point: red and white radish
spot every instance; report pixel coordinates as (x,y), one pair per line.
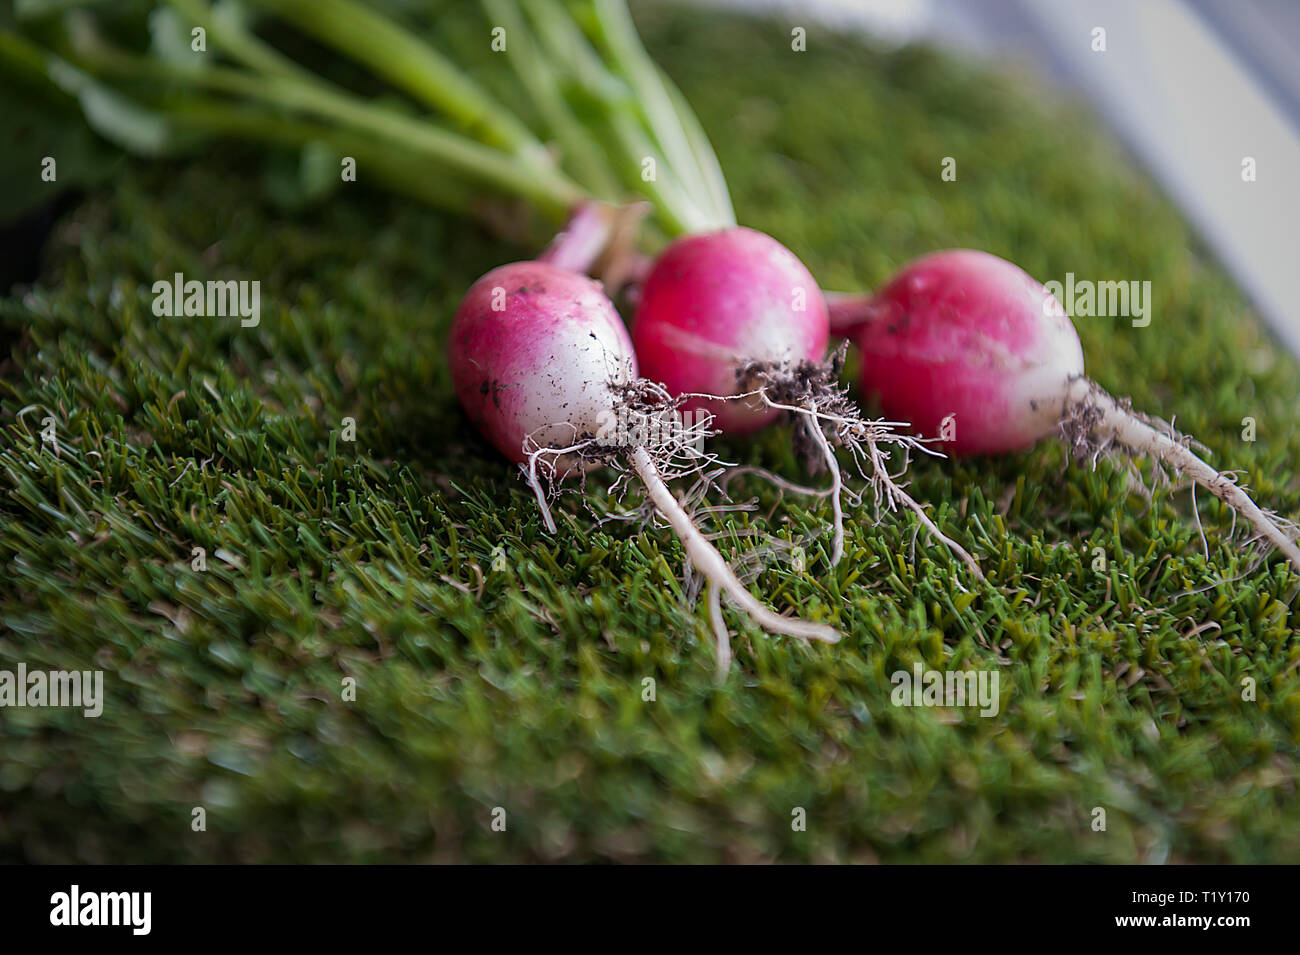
(732,314)
(537,356)
(543,366)
(979,355)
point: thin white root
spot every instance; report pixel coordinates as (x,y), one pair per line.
(530,475)
(863,438)
(814,428)
(881,474)
(720,632)
(711,564)
(772,478)
(1107,420)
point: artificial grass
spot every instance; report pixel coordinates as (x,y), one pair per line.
(497,666)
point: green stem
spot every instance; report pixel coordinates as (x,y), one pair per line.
(677,209)
(706,159)
(567,45)
(617,33)
(117,118)
(402,170)
(546,187)
(394,53)
(230,36)
(282,101)
(586,158)
(23,61)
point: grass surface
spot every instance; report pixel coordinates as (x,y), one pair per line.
(522,687)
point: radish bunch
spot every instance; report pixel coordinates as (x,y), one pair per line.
(979,355)
(961,345)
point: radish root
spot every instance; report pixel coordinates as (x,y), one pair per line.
(706,559)
(1094,419)
(656,444)
(814,429)
(812,391)
(720,633)
(899,496)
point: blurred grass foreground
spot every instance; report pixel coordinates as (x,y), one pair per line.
(385,647)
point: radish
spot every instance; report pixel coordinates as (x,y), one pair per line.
(732,319)
(537,356)
(714,303)
(976,353)
(542,365)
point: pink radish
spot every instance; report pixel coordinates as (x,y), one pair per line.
(543,366)
(976,353)
(716,302)
(734,315)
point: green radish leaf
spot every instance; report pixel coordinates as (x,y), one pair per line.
(114,116)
